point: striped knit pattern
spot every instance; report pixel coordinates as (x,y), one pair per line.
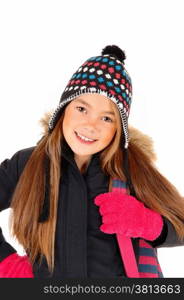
(148,264)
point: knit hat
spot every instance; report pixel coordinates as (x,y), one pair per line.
(105,75)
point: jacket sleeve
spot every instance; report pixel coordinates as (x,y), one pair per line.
(8,181)
(168,236)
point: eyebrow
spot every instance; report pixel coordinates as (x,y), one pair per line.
(87,104)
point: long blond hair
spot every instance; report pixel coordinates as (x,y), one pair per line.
(38,239)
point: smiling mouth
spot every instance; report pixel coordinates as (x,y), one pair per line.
(83,140)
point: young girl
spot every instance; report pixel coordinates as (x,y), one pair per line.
(88,193)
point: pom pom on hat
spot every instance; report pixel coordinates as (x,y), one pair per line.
(114,51)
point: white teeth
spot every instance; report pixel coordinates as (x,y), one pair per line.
(84,138)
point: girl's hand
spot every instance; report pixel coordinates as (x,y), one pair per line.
(16,266)
(123,213)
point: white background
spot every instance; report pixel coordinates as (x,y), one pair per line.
(44,42)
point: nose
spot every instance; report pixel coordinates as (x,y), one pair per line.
(88,130)
(91,126)
(91,123)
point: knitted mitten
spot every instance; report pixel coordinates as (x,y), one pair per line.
(123,213)
(16,266)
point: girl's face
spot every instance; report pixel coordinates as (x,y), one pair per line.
(91,116)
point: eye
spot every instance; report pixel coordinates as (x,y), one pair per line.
(78,108)
(109,119)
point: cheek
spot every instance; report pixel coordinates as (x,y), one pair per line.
(68,121)
(109,134)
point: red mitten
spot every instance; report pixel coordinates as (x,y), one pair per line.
(16,266)
(123,213)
